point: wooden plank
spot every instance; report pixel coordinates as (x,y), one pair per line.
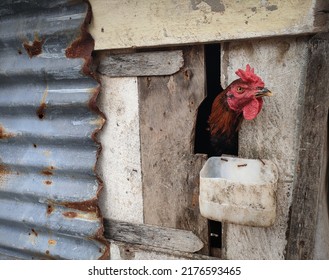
(272,135)
(119,164)
(311,167)
(321,243)
(127,251)
(168,107)
(140,64)
(167,238)
(128,24)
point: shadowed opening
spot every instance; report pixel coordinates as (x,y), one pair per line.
(327,171)
(202,136)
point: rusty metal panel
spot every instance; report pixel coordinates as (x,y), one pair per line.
(48,125)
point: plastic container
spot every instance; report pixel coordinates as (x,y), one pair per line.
(240,191)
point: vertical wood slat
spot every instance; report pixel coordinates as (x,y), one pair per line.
(281,63)
(321,243)
(119,161)
(168,107)
(311,164)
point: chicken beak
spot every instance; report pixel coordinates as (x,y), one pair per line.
(263,92)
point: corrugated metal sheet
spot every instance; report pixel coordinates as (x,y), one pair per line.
(48,122)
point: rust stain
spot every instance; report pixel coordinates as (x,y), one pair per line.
(41,111)
(48,171)
(83,46)
(106,251)
(42,108)
(48,182)
(4,170)
(87,206)
(195,199)
(35,48)
(50,209)
(99,122)
(34,232)
(52,242)
(70,214)
(4,134)
(100,237)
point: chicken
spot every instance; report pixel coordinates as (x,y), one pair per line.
(242,99)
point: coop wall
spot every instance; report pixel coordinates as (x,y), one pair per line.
(272,135)
(148,165)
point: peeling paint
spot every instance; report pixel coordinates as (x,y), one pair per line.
(215,5)
(271,8)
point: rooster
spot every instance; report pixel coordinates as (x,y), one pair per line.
(242,99)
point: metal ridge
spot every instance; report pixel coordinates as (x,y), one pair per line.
(48,125)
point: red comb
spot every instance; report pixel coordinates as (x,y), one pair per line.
(249,76)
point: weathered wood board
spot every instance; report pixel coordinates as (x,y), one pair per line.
(168,107)
(119,164)
(161,237)
(140,64)
(129,24)
(311,169)
(321,245)
(272,135)
(127,251)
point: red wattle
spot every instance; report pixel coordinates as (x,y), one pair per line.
(251,110)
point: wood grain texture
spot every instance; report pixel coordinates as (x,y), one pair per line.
(168,107)
(128,251)
(129,24)
(161,237)
(311,165)
(140,64)
(321,245)
(272,135)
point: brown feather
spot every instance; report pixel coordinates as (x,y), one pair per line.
(223,120)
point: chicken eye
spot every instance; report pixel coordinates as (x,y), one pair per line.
(240,89)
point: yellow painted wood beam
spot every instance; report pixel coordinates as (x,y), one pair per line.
(121,24)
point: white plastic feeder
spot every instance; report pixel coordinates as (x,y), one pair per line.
(240,191)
